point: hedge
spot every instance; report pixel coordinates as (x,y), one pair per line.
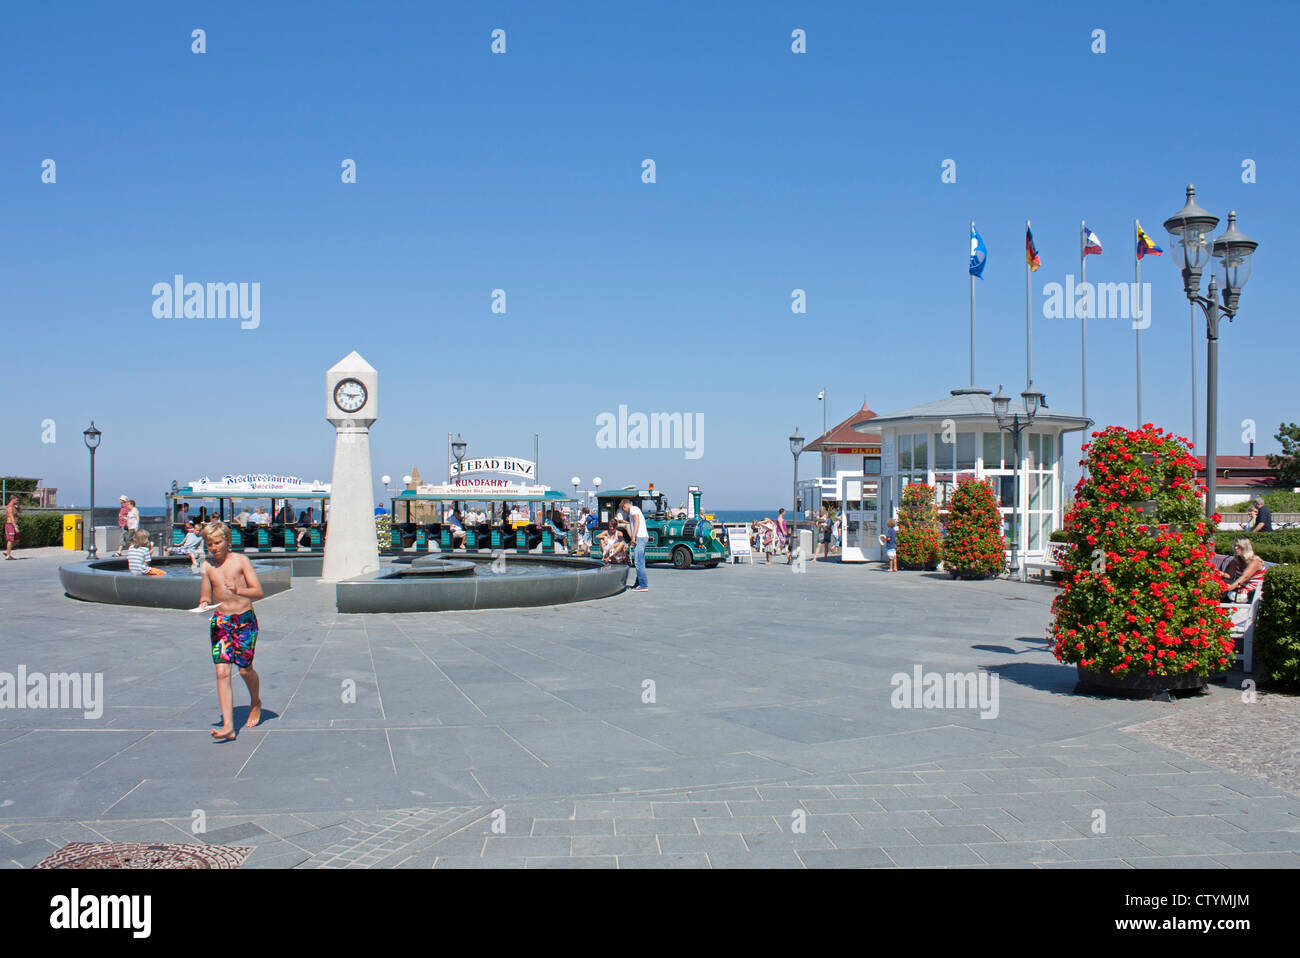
(1277,628)
(39,529)
(1281,547)
(1280,500)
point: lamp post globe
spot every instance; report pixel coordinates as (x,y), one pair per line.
(1033,399)
(1235,253)
(1001,402)
(1189,246)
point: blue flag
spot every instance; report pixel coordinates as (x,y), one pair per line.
(978,254)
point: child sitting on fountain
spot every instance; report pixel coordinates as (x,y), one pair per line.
(228,577)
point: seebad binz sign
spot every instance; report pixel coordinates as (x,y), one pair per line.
(495,465)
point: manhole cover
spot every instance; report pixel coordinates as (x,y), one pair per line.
(144,855)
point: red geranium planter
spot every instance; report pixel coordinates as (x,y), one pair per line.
(1140,603)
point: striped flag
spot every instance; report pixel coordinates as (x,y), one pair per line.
(1091,244)
(1144,245)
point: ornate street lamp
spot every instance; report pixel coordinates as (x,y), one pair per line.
(796,447)
(458,451)
(92,437)
(1033,399)
(1189,238)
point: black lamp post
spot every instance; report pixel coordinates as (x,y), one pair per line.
(796,447)
(1189,236)
(1001,406)
(92,437)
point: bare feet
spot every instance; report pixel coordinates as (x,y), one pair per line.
(223,734)
(254,716)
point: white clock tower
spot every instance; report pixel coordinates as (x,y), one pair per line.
(352,405)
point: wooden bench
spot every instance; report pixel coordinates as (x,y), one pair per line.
(1051,561)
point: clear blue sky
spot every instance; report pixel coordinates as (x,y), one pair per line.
(522,171)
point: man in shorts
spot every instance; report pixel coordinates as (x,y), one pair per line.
(229,579)
(12,511)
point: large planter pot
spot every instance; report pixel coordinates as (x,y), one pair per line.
(1141,682)
(968,574)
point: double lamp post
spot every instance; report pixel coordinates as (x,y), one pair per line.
(1189,240)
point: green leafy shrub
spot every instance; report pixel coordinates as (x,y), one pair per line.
(1281,547)
(1277,628)
(37,530)
(918,528)
(973,544)
(1140,595)
(1279,500)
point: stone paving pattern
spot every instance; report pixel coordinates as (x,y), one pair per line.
(772,707)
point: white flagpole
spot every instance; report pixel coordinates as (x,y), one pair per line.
(1137,295)
(1083,270)
(1029,325)
(972,311)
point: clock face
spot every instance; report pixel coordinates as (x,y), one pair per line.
(349,395)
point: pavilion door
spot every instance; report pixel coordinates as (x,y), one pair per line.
(859,521)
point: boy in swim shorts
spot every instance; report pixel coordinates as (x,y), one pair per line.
(229,579)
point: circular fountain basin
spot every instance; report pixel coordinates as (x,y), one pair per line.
(110,580)
(479,581)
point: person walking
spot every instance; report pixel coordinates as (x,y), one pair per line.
(132,522)
(824,524)
(640,536)
(12,512)
(122,514)
(891,544)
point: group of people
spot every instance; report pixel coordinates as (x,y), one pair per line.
(768,537)
(508,517)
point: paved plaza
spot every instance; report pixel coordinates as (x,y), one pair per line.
(735,717)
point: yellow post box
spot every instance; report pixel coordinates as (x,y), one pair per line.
(72,531)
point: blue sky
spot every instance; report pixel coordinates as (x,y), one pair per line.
(522,172)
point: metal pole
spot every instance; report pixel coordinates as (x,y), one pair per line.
(1087,299)
(1211,397)
(93,550)
(1015,545)
(972,327)
(1137,294)
(1029,325)
(1191,315)
(794,490)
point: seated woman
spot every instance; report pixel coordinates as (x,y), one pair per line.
(1248,569)
(613,544)
(138,555)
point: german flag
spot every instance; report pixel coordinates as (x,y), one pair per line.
(1031,252)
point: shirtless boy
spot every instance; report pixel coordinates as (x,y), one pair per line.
(12,511)
(229,579)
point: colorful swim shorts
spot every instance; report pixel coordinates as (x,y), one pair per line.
(11,532)
(239,633)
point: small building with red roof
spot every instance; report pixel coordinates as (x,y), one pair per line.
(844,454)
